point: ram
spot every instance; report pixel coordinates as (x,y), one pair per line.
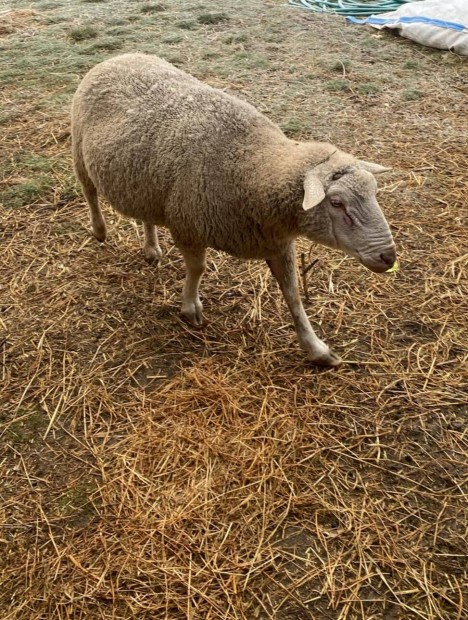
(167,149)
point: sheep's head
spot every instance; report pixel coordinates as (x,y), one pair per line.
(341,211)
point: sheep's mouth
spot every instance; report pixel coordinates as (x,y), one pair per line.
(376,267)
(379,263)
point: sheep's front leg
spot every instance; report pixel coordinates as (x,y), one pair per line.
(283,267)
(151,247)
(195,261)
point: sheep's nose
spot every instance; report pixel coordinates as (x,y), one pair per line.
(388,257)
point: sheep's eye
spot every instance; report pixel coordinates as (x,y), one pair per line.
(338,204)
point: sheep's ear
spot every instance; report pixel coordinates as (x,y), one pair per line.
(313,192)
(374,168)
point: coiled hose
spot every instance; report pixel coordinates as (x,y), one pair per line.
(349,7)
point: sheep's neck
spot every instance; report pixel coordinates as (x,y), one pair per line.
(282,167)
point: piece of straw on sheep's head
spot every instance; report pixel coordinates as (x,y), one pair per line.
(341,199)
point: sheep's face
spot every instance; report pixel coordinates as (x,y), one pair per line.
(350,218)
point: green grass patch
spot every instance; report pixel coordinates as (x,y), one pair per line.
(340,65)
(118,31)
(49,6)
(293,127)
(372,43)
(209,19)
(109,44)
(27,428)
(172,39)
(118,21)
(411,94)
(274,38)
(411,64)
(35,181)
(57,19)
(37,163)
(83,33)
(26,193)
(29,163)
(239,37)
(337,85)
(368,89)
(252,60)
(186,24)
(7,116)
(208,55)
(152,8)
(175,60)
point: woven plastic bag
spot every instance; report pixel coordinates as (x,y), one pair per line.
(436,23)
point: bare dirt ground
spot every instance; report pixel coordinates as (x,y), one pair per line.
(150,470)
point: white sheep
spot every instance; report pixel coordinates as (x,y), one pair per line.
(164,148)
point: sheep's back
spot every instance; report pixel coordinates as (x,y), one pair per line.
(162,146)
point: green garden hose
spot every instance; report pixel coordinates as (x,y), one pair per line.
(349,7)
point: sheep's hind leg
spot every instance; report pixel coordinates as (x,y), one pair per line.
(195,261)
(151,247)
(98,225)
(283,267)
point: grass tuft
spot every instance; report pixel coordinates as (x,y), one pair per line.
(186,24)
(251,60)
(110,44)
(293,127)
(337,85)
(210,19)
(411,64)
(26,192)
(210,54)
(368,89)
(412,94)
(238,37)
(83,33)
(152,8)
(341,65)
(172,39)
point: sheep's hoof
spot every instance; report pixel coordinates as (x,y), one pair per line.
(192,312)
(152,255)
(99,233)
(328,360)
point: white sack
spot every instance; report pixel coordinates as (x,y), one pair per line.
(436,23)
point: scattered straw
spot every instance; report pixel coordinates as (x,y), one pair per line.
(15,19)
(153,470)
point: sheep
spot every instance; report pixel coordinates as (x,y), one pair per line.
(169,150)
